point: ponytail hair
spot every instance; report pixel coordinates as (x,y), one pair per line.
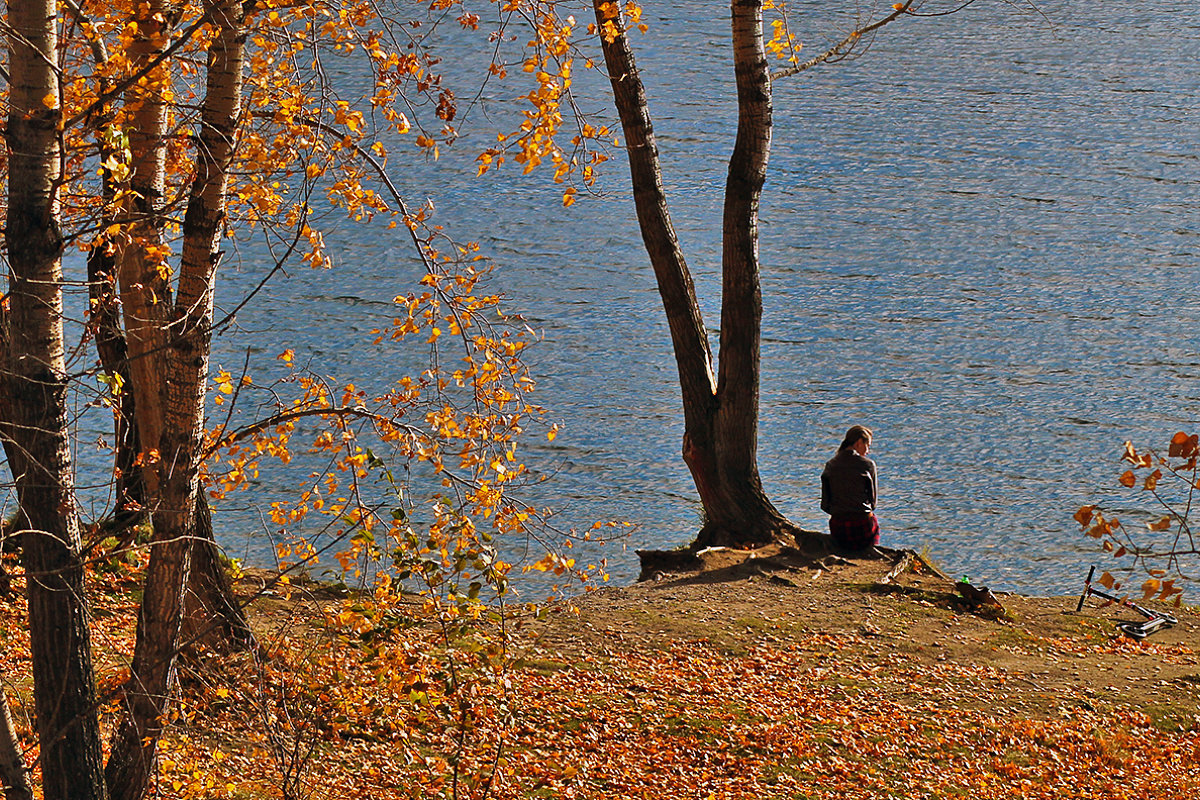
(854,435)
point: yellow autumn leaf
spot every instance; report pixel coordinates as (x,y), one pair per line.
(1151,482)
(1162,525)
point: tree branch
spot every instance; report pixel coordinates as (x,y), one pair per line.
(845,46)
(289,416)
(118,88)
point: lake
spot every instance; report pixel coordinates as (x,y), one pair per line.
(980,239)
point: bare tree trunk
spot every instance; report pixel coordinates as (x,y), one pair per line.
(675,285)
(64,694)
(141,264)
(13,775)
(720,416)
(105,323)
(212,615)
(146,299)
(175,388)
(753,517)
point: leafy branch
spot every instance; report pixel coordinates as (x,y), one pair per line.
(1166,544)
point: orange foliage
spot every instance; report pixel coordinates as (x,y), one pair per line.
(1171,482)
(441,446)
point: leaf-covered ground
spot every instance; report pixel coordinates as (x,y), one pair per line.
(807,683)
(755,680)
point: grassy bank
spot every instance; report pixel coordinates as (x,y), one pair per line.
(757,678)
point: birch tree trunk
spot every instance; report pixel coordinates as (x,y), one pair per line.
(143,271)
(143,275)
(213,616)
(36,402)
(174,409)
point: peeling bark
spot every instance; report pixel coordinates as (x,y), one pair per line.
(169,377)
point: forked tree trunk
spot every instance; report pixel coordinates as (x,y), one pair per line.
(736,424)
(36,405)
(720,415)
(213,616)
(170,391)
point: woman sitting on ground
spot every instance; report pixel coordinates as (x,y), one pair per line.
(848,493)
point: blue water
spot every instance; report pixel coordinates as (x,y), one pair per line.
(980,239)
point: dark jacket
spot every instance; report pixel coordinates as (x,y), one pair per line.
(848,485)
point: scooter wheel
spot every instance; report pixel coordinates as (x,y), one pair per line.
(1132,630)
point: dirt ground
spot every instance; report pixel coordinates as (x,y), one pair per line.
(1041,657)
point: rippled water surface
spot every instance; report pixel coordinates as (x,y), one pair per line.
(980,239)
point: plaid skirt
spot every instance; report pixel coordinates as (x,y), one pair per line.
(854,533)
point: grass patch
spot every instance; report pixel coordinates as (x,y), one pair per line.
(1170,718)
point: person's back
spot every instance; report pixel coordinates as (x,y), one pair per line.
(849,493)
(848,485)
